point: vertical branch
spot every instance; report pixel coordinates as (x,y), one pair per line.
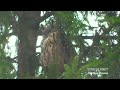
(27,47)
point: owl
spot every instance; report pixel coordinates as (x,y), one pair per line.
(56,50)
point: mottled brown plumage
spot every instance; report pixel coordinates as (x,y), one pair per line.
(56,49)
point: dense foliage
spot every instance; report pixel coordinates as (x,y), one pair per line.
(95,35)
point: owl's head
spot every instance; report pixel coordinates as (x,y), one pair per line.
(46,31)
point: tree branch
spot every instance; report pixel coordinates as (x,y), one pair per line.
(45,16)
(92,37)
(12,59)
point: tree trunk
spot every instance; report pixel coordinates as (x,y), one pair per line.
(27,44)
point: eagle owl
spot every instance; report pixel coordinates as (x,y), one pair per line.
(56,49)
